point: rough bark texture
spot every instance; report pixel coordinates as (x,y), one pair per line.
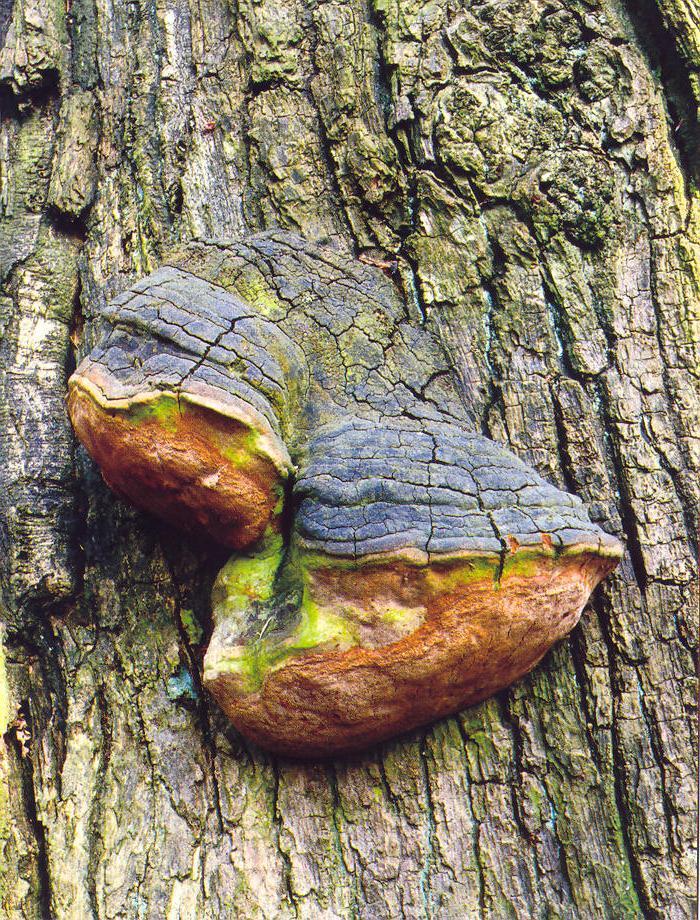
(531,169)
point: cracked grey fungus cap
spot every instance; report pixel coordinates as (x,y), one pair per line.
(435,492)
(390,565)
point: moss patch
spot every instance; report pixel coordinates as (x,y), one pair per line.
(192,626)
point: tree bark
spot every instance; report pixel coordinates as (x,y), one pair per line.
(532,168)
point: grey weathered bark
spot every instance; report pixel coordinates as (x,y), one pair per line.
(531,168)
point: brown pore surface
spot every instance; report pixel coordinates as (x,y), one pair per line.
(183,471)
(476,639)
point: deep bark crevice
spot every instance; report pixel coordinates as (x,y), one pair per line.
(660,47)
(27,771)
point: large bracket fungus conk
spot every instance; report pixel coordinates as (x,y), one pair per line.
(391,566)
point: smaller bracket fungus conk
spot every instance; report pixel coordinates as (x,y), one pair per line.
(390,565)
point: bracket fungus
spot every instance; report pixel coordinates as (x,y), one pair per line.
(390,566)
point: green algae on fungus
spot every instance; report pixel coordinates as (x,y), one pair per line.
(248,578)
(336,610)
(209,471)
(262,602)
(164,409)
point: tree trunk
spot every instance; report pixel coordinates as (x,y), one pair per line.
(531,167)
